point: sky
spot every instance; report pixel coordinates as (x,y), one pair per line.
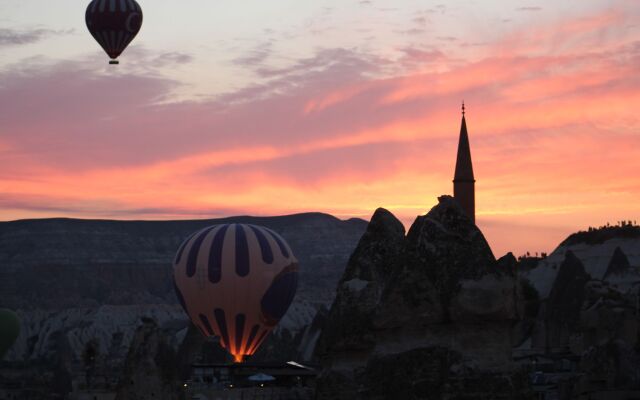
(338,106)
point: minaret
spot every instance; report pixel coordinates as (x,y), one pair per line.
(463,181)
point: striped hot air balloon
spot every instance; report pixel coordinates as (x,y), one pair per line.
(236,281)
(114,24)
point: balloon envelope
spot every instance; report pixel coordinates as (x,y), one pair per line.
(114,24)
(9,330)
(236,281)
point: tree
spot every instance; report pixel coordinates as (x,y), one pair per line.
(61,384)
(90,357)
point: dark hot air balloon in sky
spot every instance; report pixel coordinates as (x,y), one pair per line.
(114,24)
(236,281)
(9,330)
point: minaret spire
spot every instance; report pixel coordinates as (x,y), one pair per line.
(463,180)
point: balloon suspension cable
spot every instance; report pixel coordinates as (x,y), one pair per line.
(114,62)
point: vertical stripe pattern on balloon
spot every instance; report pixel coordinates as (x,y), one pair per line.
(251,280)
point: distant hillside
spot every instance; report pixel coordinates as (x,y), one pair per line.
(77,281)
(61,263)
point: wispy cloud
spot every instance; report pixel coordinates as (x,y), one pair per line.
(13,37)
(529,8)
(256,56)
(171,58)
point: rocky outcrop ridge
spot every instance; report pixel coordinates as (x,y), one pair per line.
(448,274)
(596,250)
(438,291)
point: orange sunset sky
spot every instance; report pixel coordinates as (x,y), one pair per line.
(270,108)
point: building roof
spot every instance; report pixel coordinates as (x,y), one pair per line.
(259,365)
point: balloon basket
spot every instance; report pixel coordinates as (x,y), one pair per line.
(114,62)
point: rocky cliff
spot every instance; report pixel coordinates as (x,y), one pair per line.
(424,315)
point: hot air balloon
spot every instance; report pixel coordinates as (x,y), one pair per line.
(114,24)
(9,330)
(236,281)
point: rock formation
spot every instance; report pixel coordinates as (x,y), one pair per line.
(378,253)
(432,312)
(596,250)
(151,368)
(619,264)
(595,324)
(606,340)
(560,315)
(620,275)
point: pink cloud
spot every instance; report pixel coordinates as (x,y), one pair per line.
(551,137)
